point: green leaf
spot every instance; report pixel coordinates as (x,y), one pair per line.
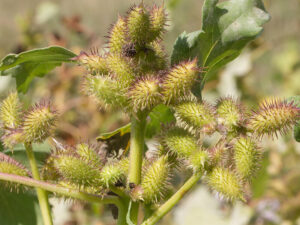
(24,67)
(226,28)
(160,115)
(19,208)
(296,100)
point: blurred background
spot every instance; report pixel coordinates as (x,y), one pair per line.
(270,66)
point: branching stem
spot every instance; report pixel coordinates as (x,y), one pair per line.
(168,205)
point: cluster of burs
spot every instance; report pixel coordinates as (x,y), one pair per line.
(133,75)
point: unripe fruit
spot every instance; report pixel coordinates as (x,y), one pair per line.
(226,183)
(105,91)
(117,36)
(199,160)
(77,171)
(230,113)
(145,93)
(10,111)
(247,157)
(121,69)
(273,117)
(111,173)
(39,123)
(12,138)
(180,142)
(10,166)
(195,116)
(158,19)
(138,23)
(155,182)
(93,62)
(88,153)
(179,81)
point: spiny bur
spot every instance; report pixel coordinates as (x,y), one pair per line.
(138,23)
(12,137)
(76,170)
(118,36)
(180,142)
(10,166)
(10,111)
(93,62)
(230,113)
(246,157)
(226,183)
(155,182)
(179,80)
(195,116)
(145,93)
(121,69)
(88,153)
(158,19)
(39,122)
(273,117)
(105,91)
(111,173)
(199,160)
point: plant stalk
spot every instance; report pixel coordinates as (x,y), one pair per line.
(137,143)
(60,190)
(168,205)
(41,194)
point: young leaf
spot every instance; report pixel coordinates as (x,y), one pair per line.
(226,28)
(34,63)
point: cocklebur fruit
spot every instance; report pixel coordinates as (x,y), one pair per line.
(230,113)
(117,36)
(179,80)
(111,173)
(226,183)
(158,19)
(10,111)
(105,91)
(88,153)
(199,160)
(145,93)
(94,63)
(155,181)
(195,116)
(138,23)
(75,170)
(178,141)
(12,137)
(10,166)
(39,123)
(273,117)
(121,69)
(247,157)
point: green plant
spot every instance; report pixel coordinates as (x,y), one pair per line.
(133,75)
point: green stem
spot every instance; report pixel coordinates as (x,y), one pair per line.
(60,190)
(41,194)
(137,143)
(168,205)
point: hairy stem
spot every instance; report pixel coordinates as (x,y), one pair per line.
(168,205)
(60,190)
(136,157)
(41,194)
